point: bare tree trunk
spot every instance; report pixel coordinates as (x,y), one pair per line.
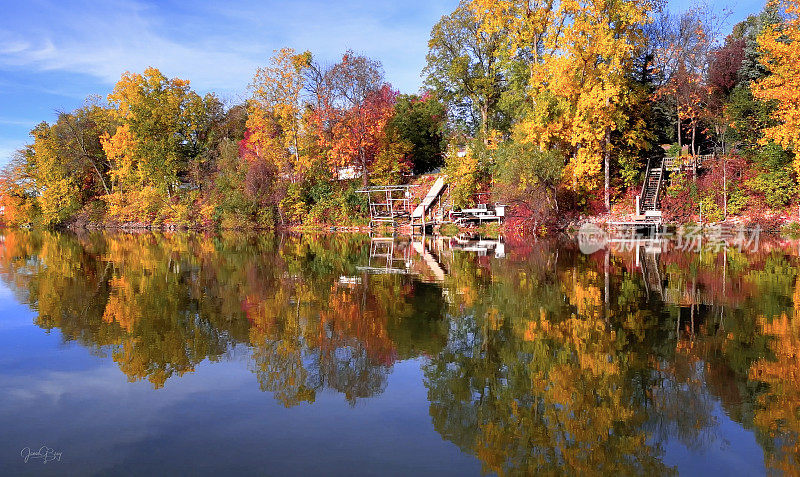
(574,177)
(680,144)
(725,185)
(296,152)
(484,121)
(364,172)
(100,176)
(607,169)
(694,152)
(555,199)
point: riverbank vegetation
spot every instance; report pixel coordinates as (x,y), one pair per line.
(554,109)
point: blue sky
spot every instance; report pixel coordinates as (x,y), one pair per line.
(53,54)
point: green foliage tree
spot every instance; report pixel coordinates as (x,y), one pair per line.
(527,179)
(58,187)
(464,71)
(420,123)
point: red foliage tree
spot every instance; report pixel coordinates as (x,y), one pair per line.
(358,136)
(723,72)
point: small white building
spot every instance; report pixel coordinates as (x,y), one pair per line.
(347,173)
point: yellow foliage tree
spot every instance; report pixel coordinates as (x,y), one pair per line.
(781,55)
(581,52)
(58,188)
(160,121)
(274,122)
(118,149)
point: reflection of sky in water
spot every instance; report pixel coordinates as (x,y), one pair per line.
(215,420)
(12,313)
(732,450)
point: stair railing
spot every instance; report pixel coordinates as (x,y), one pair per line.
(658,187)
(644,184)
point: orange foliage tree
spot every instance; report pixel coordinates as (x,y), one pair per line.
(359,93)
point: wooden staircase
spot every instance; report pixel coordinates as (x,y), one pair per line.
(651,188)
(647,213)
(647,203)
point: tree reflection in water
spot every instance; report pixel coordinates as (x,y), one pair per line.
(546,361)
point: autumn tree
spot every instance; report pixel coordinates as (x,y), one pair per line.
(18,190)
(62,170)
(464,69)
(580,56)
(365,101)
(684,56)
(723,77)
(163,124)
(274,122)
(58,187)
(80,133)
(781,56)
(746,115)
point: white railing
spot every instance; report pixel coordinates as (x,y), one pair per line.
(658,186)
(675,163)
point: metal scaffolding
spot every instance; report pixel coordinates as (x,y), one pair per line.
(388,204)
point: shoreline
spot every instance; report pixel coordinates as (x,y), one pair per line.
(771,222)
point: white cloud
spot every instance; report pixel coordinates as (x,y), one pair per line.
(218,47)
(54,53)
(17,122)
(106,41)
(14,47)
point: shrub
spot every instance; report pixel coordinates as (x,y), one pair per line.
(775,179)
(449,230)
(791,230)
(778,187)
(737,201)
(680,200)
(711,212)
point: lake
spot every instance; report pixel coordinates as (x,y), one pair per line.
(163,354)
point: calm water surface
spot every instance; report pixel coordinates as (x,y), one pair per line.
(135,354)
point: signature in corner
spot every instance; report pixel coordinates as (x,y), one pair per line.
(45,453)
